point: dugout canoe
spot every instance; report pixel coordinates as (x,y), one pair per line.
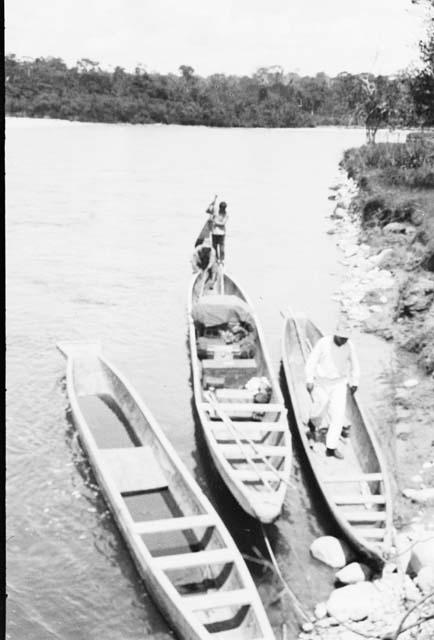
(356,489)
(182,550)
(249,441)
(205,232)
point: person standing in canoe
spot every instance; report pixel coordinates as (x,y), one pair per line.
(331,367)
(204,259)
(218,221)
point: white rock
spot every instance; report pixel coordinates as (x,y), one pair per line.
(381,257)
(391,567)
(422,554)
(412,382)
(338,212)
(425,579)
(330,550)
(320,610)
(420,495)
(307,627)
(353,602)
(403,550)
(427,465)
(319,448)
(352,573)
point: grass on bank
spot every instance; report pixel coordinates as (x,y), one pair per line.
(396,183)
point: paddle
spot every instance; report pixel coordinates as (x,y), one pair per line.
(239,434)
(228,422)
(212,205)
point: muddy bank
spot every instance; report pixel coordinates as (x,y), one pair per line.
(389,291)
(382,294)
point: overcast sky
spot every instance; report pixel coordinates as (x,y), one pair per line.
(229,36)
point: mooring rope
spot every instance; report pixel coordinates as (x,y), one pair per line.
(289,591)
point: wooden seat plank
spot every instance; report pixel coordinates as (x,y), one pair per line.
(133,469)
(185,560)
(368,499)
(216,364)
(242,407)
(217,599)
(370,533)
(251,428)
(174,524)
(364,516)
(232,451)
(247,475)
(362,477)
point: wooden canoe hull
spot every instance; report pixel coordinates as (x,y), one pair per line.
(365,469)
(84,379)
(205,232)
(265,509)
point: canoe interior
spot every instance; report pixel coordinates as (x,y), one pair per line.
(239,376)
(153,489)
(356,487)
(262,422)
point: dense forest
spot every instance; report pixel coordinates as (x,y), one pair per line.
(46,87)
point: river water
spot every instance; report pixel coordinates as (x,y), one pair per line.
(100,225)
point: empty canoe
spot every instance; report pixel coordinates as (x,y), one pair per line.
(356,489)
(185,555)
(248,439)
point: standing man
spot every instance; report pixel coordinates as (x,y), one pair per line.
(331,367)
(218,228)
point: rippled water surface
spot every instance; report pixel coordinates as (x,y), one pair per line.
(100,225)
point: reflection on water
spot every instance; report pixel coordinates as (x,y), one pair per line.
(101,220)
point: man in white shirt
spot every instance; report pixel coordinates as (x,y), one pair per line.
(331,367)
(218,228)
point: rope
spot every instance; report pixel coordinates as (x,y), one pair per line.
(239,434)
(297,604)
(228,422)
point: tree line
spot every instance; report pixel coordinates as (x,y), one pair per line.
(47,87)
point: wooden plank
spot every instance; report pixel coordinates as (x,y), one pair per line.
(362,477)
(364,516)
(234,395)
(251,428)
(246,475)
(175,524)
(185,560)
(232,451)
(215,364)
(133,469)
(232,407)
(368,499)
(370,533)
(243,449)
(218,599)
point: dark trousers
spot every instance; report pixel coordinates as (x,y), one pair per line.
(218,242)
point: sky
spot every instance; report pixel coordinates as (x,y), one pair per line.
(221,36)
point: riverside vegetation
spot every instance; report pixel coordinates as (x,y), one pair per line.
(46,87)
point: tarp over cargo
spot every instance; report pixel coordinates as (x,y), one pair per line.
(213,310)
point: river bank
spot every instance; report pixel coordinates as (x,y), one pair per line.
(390,203)
(386,236)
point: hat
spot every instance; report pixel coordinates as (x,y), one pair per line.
(343,329)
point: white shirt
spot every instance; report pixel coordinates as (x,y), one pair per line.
(330,362)
(218,221)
